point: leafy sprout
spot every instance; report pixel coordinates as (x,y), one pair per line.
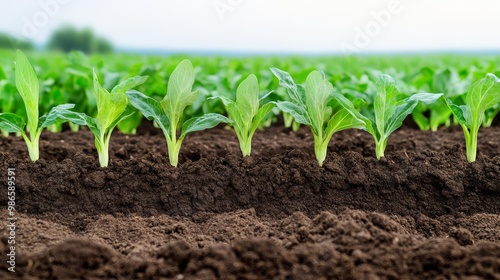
(111,109)
(28,86)
(482,95)
(310,105)
(389,112)
(168,113)
(247,113)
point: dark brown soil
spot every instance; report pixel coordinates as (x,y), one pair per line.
(422,212)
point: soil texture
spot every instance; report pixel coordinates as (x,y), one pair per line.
(421,212)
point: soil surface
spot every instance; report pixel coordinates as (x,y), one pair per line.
(422,212)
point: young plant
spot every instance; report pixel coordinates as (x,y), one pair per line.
(389,112)
(28,87)
(311,106)
(245,113)
(168,113)
(482,95)
(449,83)
(111,109)
(490,115)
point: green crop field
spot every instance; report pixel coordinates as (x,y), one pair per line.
(328,94)
(232,139)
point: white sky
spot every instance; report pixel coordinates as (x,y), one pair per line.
(266,25)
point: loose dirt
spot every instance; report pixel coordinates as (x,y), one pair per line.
(422,212)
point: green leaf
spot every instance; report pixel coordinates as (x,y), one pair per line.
(385,103)
(62,113)
(201,123)
(266,95)
(97,85)
(349,107)
(225,101)
(110,106)
(129,84)
(298,113)
(484,94)
(28,87)
(247,98)
(92,125)
(425,98)
(54,116)
(129,111)
(3,75)
(261,114)
(179,92)
(405,108)
(461,113)
(286,81)
(342,120)
(11,122)
(150,108)
(77,73)
(234,114)
(396,120)
(318,93)
(442,81)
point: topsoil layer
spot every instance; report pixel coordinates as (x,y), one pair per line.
(422,212)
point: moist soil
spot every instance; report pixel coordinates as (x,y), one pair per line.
(422,212)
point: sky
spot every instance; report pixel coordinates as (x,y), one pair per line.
(266,26)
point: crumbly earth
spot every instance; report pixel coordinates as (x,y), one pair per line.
(422,212)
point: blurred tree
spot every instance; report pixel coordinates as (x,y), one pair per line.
(68,38)
(10,42)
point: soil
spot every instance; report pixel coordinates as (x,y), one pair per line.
(422,212)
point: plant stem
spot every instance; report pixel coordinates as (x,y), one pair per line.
(54,128)
(74,127)
(103,158)
(245,140)
(380,147)
(434,125)
(471,143)
(103,153)
(320,149)
(488,122)
(173,155)
(33,146)
(34,151)
(174,147)
(447,123)
(103,149)
(287,119)
(246,147)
